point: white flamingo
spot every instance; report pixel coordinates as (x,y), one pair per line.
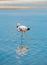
(22,28)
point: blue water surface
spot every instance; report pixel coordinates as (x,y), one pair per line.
(36,19)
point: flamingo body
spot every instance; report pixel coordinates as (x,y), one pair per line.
(22,28)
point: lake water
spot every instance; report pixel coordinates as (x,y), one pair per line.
(36,19)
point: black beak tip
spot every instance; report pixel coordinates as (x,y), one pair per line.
(28,29)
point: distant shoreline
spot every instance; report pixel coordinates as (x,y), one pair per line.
(14,2)
(7,5)
(23,7)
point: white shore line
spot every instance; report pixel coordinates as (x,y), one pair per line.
(23,7)
(15,2)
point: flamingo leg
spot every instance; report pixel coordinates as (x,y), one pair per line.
(26,37)
(21,38)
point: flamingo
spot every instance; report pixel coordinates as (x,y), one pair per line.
(22,28)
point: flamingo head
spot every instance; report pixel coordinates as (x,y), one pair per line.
(18,24)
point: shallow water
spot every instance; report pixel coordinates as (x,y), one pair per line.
(10,38)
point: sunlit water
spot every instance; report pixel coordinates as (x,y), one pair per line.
(10,38)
